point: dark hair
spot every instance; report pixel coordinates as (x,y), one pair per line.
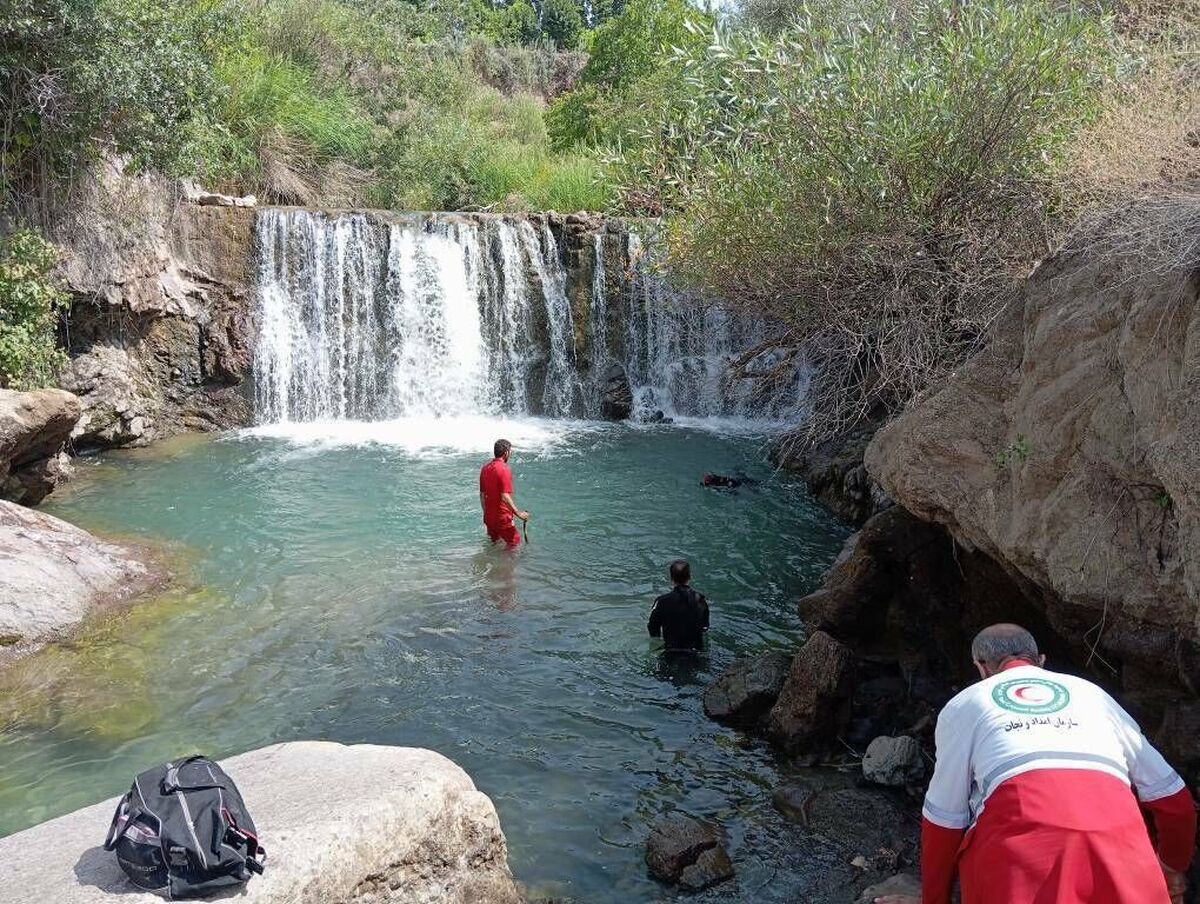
(681,571)
(502,446)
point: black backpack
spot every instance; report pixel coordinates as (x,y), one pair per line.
(183,829)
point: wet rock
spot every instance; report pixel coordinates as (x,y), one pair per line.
(711,868)
(866,821)
(813,705)
(362,823)
(52,574)
(34,426)
(685,851)
(745,691)
(895,762)
(793,801)
(616,399)
(900,884)
(835,473)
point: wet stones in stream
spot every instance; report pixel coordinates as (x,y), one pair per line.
(746,691)
(872,827)
(896,762)
(687,852)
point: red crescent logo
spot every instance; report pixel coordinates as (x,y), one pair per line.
(1021,692)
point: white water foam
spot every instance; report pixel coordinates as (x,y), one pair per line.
(428,436)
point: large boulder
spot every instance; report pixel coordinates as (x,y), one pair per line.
(34,426)
(1068,451)
(814,703)
(52,574)
(363,824)
(745,691)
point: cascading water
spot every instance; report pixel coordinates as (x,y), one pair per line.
(371,317)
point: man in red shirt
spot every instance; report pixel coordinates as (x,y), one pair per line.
(495,497)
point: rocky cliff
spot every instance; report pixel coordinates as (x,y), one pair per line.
(159,327)
(1068,454)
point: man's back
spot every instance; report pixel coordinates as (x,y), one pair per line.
(1027,718)
(681,617)
(495,479)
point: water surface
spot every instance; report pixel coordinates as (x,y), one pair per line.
(333,587)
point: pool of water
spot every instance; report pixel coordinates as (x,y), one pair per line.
(336,584)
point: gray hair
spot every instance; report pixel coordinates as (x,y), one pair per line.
(996,643)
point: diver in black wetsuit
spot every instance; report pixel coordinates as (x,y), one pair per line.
(726,482)
(681,616)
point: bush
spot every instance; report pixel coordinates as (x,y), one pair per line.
(29,307)
(872,179)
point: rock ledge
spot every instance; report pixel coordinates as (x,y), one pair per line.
(364,824)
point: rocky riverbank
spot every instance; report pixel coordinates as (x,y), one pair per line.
(364,824)
(1053,481)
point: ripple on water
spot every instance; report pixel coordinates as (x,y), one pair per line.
(347,593)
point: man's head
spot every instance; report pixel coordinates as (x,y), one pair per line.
(681,572)
(502,449)
(997,645)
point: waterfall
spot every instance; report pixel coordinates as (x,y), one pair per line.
(365,316)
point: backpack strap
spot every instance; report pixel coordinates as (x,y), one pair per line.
(119,821)
(170,782)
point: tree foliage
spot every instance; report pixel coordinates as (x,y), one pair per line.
(29,307)
(871,178)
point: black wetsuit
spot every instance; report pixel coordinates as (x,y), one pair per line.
(681,618)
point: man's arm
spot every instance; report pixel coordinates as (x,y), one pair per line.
(1161,792)
(946,813)
(655,623)
(704,612)
(511,504)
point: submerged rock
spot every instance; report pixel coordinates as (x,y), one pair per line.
(364,824)
(52,574)
(745,691)
(896,762)
(814,702)
(685,851)
(34,426)
(616,399)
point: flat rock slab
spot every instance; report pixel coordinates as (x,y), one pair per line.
(53,573)
(364,823)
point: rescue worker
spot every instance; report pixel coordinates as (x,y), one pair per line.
(1032,798)
(496,499)
(681,616)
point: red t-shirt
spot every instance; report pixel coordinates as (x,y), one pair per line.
(495,478)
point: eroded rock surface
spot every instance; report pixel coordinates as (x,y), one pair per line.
(52,574)
(896,762)
(34,426)
(1068,451)
(363,824)
(159,329)
(814,702)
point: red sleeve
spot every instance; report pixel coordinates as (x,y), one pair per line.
(506,480)
(482,471)
(939,860)
(1175,826)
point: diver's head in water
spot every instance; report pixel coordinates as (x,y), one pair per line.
(681,573)
(502,449)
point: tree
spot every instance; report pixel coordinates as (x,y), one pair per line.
(29,308)
(562,22)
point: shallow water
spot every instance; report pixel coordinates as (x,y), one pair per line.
(342,589)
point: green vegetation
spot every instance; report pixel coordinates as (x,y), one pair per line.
(29,307)
(391,102)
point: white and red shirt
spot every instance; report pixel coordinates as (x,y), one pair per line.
(1042,768)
